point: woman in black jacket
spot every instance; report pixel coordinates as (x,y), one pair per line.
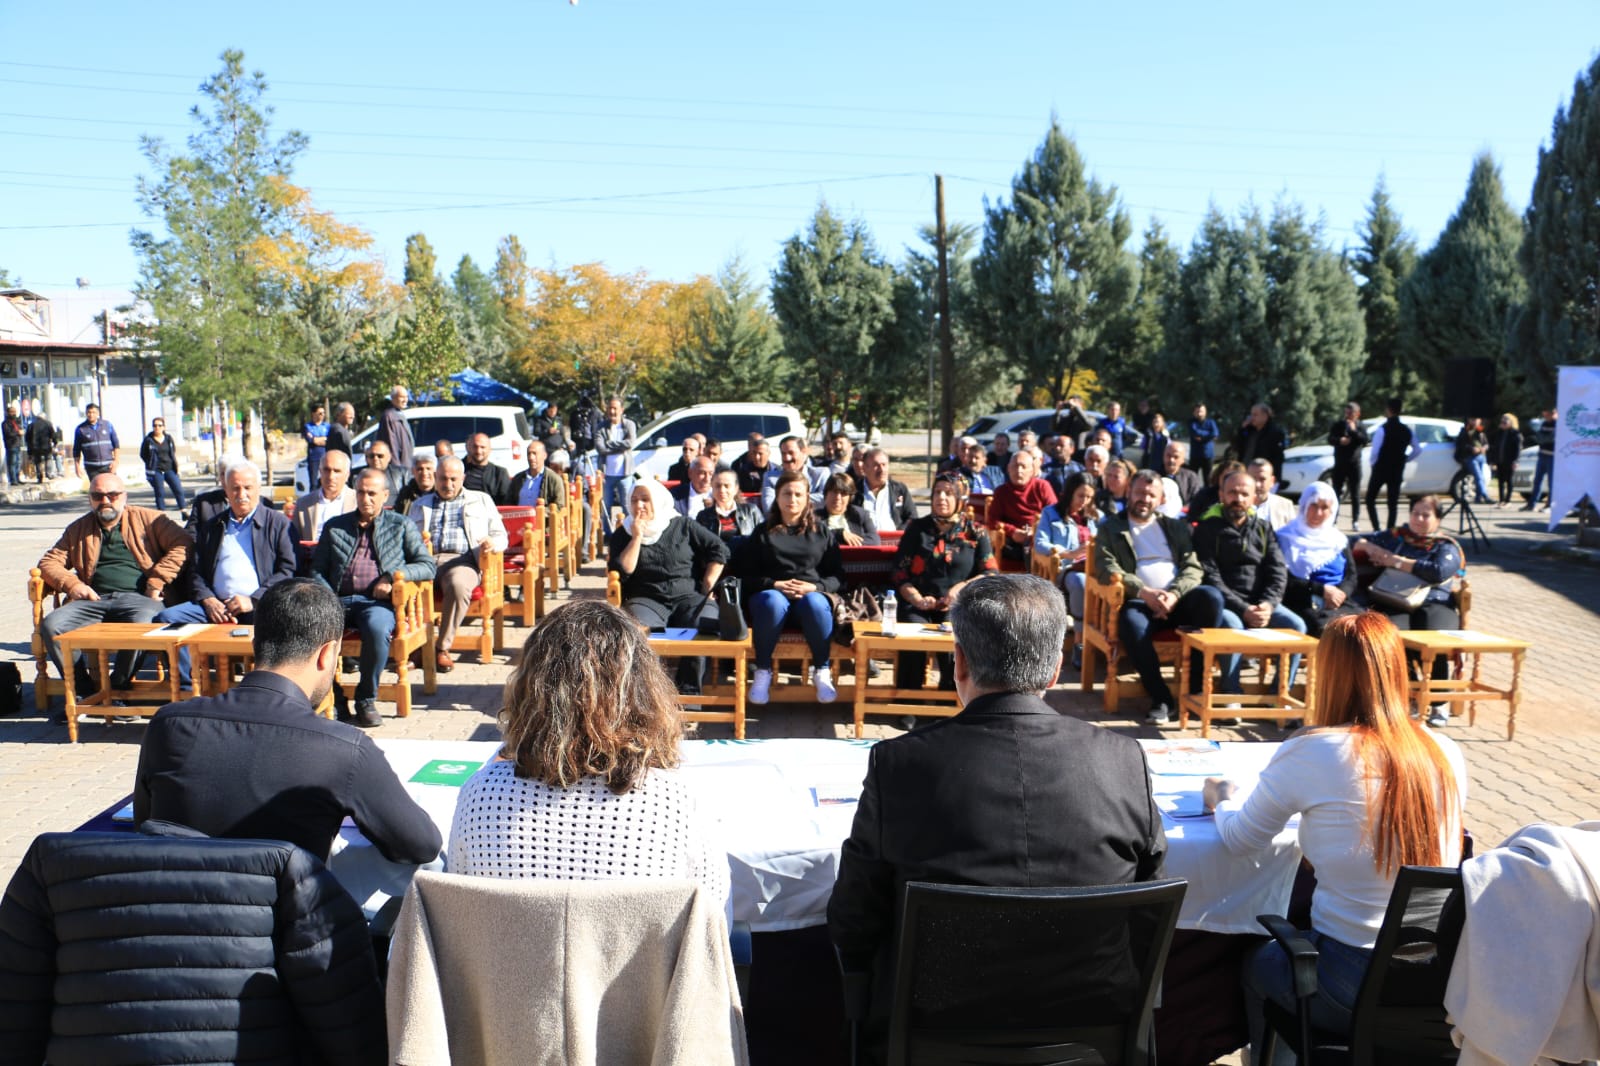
(939,553)
(848,523)
(792,562)
(161,463)
(1507,447)
(668,566)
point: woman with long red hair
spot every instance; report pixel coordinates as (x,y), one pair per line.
(1375,790)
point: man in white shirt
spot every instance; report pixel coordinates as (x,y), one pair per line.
(460,523)
(1162,580)
(334,498)
(889,502)
(694,495)
(614,440)
(1275,510)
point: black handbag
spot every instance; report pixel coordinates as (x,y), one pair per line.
(730,609)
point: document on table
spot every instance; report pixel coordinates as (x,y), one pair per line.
(187,630)
(1184,758)
(677,633)
(1258,634)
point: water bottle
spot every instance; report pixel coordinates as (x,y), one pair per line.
(891,607)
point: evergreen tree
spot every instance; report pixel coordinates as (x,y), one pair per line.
(217,325)
(985,379)
(1053,277)
(422,265)
(1560,252)
(1264,312)
(730,352)
(423,350)
(513,279)
(1384,260)
(1137,340)
(832,294)
(1458,301)
(480,320)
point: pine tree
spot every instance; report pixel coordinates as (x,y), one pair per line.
(1384,260)
(832,294)
(1053,276)
(480,320)
(1560,253)
(422,265)
(985,379)
(1137,340)
(1264,312)
(730,351)
(1458,301)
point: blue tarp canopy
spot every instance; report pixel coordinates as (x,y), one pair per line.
(472,386)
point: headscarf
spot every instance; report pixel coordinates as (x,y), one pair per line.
(666,509)
(1308,549)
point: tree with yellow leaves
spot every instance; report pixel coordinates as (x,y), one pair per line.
(595,329)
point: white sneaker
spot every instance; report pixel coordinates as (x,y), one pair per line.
(760,688)
(823,678)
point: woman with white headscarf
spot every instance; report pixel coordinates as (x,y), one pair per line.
(1322,572)
(668,567)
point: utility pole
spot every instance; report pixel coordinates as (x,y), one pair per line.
(947,354)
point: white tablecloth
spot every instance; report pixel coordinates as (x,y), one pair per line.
(783,808)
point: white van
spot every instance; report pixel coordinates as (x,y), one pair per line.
(660,444)
(507,427)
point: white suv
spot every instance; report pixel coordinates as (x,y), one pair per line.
(507,427)
(660,444)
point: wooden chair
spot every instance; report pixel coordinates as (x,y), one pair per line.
(41,601)
(597,524)
(488,603)
(1102,605)
(413,631)
(525,557)
(562,544)
(997,541)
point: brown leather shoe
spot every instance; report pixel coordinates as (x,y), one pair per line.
(444,662)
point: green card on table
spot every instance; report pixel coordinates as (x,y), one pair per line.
(446,772)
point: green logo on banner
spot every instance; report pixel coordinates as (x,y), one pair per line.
(1582,422)
(445,772)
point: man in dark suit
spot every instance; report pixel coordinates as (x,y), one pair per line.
(889,502)
(240,553)
(256,761)
(484,476)
(1174,465)
(946,803)
(693,494)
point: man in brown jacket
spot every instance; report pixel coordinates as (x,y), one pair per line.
(115,564)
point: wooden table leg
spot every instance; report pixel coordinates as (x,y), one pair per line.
(1426,700)
(172,671)
(103,661)
(1477,670)
(1183,686)
(1208,666)
(1514,697)
(739,664)
(863,671)
(69,679)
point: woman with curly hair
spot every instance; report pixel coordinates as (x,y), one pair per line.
(939,553)
(584,786)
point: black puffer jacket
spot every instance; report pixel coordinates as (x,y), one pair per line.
(134,949)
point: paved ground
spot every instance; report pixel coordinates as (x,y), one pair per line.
(1551,771)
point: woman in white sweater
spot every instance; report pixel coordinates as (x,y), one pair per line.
(584,787)
(1375,790)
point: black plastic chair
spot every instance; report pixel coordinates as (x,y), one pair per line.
(1399,1016)
(1034,976)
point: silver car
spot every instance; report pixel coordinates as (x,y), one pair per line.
(1430,471)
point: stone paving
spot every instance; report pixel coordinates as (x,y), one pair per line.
(1551,771)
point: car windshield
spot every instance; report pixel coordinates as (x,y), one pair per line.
(982,425)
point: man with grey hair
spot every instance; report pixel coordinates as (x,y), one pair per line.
(394,430)
(240,552)
(889,502)
(1007,793)
(460,523)
(344,417)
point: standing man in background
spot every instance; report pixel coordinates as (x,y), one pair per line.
(41,437)
(16,444)
(1393,446)
(315,433)
(1545,437)
(1349,439)
(394,430)
(94,445)
(1203,434)
(344,417)
(614,441)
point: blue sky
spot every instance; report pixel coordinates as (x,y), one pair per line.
(669,136)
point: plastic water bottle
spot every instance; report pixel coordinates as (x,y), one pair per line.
(891,607)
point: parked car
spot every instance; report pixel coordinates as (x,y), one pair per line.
(660,444)
(1430,471)
(871,440)
(1040,419)
(1527,462)
(507,427)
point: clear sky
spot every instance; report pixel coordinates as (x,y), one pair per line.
(668,136)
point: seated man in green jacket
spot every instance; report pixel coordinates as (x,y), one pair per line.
(358,556)
(1154,558)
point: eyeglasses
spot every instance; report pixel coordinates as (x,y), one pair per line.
(98,496)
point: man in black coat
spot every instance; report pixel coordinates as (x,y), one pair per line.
(889,502)
(485,476)
(1261,438)
(258,762)
(1007,793)
(1348,438)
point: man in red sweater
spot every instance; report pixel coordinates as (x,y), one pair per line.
(1017,503)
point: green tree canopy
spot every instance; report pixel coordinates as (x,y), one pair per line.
(1383,261)
(1053,277)
(1560,253)
(1458,301)
(422,265)
(1265,312)
(985,378)
(1138,338)
(730,350)
(215,320)
(832,294)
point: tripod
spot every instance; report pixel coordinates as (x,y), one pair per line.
(1467,524)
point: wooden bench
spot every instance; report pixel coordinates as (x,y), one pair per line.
(488,602)
(413,631)
(525,557)
(1102,605)
(41,601)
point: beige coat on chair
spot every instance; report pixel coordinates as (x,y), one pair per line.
(487,972)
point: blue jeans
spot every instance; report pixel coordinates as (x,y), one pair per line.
(1544,468)
(14,465)
(374,620)
(1480,477)
(769,610)
(190,614)
(112,607)
(614,493)
(1282,618)
(1200,606)
(1340,971)
(169,478)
